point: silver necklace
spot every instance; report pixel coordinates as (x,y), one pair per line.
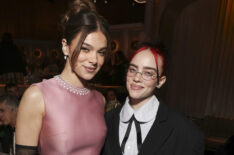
(72,89)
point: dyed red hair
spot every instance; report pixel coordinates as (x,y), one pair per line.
(155,52)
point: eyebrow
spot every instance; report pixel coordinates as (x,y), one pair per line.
(86,44)
(151,68)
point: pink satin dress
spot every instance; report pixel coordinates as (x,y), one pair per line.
(74,120)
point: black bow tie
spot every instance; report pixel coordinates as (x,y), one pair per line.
(138,129)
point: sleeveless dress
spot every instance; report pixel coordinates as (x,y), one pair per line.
(74,119)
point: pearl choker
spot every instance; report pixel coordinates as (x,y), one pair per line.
(72,89)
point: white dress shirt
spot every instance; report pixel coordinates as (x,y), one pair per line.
(146,113)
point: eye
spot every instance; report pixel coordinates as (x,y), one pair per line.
(147,73)
(84,49)
(132,70)
(102,52)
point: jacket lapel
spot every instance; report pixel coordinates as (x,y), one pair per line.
(158,133)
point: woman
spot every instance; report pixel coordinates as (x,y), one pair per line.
(157,129)
(62,115)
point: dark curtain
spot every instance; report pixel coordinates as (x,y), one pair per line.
(199,36)
(220,101)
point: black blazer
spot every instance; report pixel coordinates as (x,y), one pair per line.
(171,134)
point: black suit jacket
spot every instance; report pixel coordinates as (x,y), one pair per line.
(171,134)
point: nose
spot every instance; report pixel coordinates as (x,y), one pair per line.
(93,57)
(137,77)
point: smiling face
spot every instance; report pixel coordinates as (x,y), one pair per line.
(141,89)
(91,56)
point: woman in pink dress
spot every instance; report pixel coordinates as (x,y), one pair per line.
(62,115)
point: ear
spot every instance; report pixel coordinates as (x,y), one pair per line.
(65,47)
(162,80)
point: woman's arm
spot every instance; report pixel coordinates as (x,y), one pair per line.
(29,117)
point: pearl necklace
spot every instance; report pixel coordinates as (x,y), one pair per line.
(72,89)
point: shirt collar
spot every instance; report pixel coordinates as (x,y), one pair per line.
(145,113)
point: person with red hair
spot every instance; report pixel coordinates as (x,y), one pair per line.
(144,125)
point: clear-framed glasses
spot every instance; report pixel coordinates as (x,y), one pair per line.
(146,74)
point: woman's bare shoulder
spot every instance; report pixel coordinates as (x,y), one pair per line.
(29,117)
(32,99)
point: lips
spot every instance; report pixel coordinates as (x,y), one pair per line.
(90,69)
(136,87)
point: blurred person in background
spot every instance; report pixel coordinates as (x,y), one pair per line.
(8,112)
(111,99)
(120,65)
(12,89)
(11,59)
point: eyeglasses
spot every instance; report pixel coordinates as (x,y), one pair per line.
(146,75)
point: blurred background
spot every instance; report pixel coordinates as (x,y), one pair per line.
(198,36)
